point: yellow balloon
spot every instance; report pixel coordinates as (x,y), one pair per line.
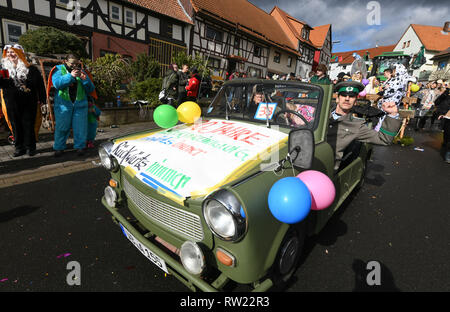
(415,88)
(189,112)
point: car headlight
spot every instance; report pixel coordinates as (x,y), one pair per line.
(222,213)
(108,162)
(110,196)
(192,257)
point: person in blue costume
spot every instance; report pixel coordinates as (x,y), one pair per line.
(72,86)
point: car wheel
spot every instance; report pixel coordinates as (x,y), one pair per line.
(288,256)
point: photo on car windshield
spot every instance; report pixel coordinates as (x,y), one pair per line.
(287,105)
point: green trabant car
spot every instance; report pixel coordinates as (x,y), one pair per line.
(199,192)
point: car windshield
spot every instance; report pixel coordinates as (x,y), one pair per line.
(287,104)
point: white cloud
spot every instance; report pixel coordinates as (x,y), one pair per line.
(349,18)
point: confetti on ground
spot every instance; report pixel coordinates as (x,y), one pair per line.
(65,255)
(3,280)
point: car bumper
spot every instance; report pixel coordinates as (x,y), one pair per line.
(175,267)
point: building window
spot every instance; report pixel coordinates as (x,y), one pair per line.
(62,3)
(130,17)
(13,31)
(213,34)
(408,43)
(32,27)
(236,42)
(257,50)
(277,57)
(404,45)
(105,52)
(289,62)
(177,32)
(115,13)
(254,72)
(305,34)
(214,63)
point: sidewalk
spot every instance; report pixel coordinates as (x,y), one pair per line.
(24,169)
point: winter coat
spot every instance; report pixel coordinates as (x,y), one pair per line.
(193,86)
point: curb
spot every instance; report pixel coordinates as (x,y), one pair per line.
(47,171)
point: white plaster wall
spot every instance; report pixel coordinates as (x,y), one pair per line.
(153,24)
(21,5)
(42,7)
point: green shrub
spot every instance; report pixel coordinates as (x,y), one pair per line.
(109,73)
(49,40)
(147,90)
(182,58)
(144,67)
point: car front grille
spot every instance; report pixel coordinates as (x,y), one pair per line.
(178,220)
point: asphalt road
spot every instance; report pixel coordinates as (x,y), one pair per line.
(400,218)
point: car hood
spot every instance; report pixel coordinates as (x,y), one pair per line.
(192,160)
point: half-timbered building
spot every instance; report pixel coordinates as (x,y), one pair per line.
(313,45)
(235,35)
(127,27)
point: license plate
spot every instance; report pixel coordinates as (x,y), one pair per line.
(145,251)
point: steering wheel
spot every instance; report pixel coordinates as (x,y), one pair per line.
(277,115)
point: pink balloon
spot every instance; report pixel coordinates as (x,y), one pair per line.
(362,93)
(321,188)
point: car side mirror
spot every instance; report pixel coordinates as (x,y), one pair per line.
(301,148)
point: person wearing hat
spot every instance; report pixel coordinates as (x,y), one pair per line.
(22,93)
(321,75)
(344,127)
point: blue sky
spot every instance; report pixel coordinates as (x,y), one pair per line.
(349,18)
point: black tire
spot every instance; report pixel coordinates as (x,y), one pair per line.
(288,256)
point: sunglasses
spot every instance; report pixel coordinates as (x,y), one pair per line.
(15,46)
(349,94)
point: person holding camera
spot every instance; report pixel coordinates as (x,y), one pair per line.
(72,86)
(23,91)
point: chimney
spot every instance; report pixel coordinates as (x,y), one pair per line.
(446,28)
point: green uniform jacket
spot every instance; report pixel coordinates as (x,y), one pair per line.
(343,131)
(323,80)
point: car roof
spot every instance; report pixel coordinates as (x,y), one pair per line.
(270,82)
(263,81)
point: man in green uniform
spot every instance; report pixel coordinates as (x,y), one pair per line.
(344,127)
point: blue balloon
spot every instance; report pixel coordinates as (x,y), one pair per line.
(289,200)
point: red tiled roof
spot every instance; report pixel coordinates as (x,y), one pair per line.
(246,17)
(167,7)
(319,34)
(347,57)
(294,24)
(432,37)
(442,54)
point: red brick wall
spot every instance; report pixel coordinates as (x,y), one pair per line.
(117,45)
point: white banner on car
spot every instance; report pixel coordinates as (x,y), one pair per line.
(195,159)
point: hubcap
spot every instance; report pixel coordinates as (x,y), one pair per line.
(289,254)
